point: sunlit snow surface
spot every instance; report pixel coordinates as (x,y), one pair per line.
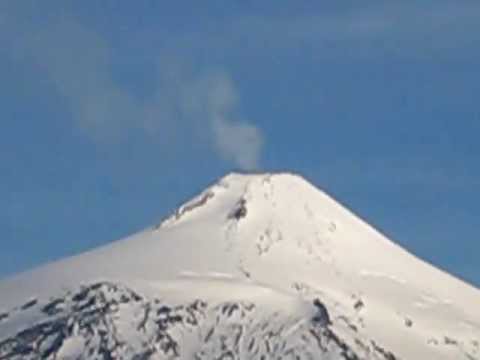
(255,267)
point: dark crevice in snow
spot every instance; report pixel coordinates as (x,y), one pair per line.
(29,304)
(386,354)
(322,317)
(359,305)
(3,316)
(239,211)
(53,307)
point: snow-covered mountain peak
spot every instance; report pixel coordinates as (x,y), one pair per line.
(267,192)
(283,215)
(274,242)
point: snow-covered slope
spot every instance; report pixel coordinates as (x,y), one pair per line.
(256,265)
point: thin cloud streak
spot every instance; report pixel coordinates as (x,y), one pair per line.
(187,105)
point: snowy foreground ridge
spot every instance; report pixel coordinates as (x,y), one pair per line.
(255,267)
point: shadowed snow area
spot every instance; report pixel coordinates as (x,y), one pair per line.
(257,265)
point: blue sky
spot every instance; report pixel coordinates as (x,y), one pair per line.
(113,113)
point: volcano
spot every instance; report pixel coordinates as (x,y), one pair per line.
(262,266)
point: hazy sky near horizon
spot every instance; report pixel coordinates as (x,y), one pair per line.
(112,114)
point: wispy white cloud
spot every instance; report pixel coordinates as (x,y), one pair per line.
(202,105)
(235,138)
(186,105)
(78,62)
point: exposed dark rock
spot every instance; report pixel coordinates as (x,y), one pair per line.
(346,351)
(239,211)
(3,316)
(145,355)
(359,305)
(408,322)
(29,304)
(449,341)
(200,201)
(163,310)
(195,203)
(229,309)
(54,346)
(348,323)
(386,354)
(232,330)
(322,317)
(53,307)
